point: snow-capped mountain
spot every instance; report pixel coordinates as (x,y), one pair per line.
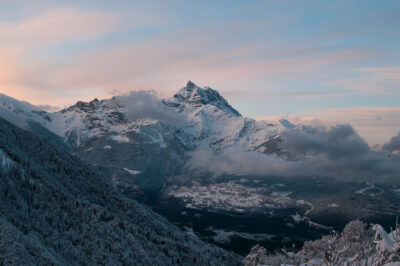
(212,121)
(209,119)
(108,133)
(147,148)
(21,112)
(30,117)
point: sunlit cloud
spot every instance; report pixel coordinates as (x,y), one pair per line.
(24,75)
(163,63)
(54,26)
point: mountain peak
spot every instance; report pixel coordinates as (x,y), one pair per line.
(197,97)
(83,106)
(190,84)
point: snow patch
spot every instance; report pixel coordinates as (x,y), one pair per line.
(370,191)
(230,196)
(298,218)
(120,138)
(132,172)
(5,161)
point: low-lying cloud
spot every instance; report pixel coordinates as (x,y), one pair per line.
(335,152)
(148,105)
(393,146)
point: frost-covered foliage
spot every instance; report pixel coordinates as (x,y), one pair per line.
(387,244)
(356,245)
(56,210)
(258,256)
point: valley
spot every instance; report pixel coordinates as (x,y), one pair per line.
(221,177)
(239,212)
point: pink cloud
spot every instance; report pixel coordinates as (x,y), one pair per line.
(56,25)
(166,63)
(373,79)
(23,76)
(210,55)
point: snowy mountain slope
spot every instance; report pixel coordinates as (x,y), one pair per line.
(209,120)
(57,210)
(140,143)
(213,122)
(19,113)
(159,138)
(29,117)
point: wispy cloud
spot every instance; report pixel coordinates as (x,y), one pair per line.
(25,75)
(205,54)
(373,79)
(54,26)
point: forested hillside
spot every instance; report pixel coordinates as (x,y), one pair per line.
(54,209)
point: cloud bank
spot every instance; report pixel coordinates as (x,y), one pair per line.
(376,125)
(336,152)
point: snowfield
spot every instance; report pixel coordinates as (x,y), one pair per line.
(132,172)
(370,191)
(233,197)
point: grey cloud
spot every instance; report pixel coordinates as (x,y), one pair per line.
(337,152)
(393,145)
(236,160)
(49,108)
(340,152)
(147,105)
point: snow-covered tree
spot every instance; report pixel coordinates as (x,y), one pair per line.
(387,244)
(357,244)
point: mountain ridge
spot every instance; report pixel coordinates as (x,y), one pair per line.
(205,108)
(194,117)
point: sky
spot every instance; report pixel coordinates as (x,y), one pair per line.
(337,61)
